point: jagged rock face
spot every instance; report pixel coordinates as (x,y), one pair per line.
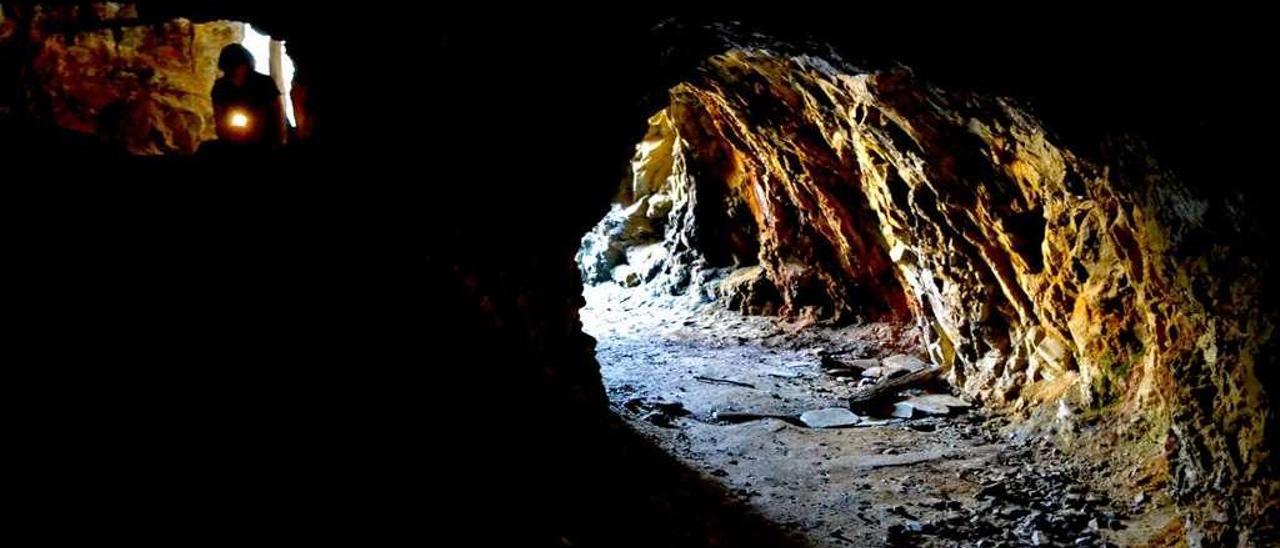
(1041,277)
(675,224)
(744,218)
(144,88)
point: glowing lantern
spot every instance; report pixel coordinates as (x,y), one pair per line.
(239,120)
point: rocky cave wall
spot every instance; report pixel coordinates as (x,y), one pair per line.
(1072,286)
(141,86)
(715,206)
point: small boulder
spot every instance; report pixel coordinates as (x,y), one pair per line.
(658,419)
(626,276)
(903,410)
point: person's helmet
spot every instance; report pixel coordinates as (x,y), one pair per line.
(233,56)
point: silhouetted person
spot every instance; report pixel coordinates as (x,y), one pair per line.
(247,106)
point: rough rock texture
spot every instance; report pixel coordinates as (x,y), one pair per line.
(672,222)
(1042,278)
(143,88)
(719,194)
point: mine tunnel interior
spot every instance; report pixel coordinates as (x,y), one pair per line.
(751,318)
(680,249)
(895,275)
(700,281)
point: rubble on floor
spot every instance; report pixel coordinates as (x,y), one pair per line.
(782,439)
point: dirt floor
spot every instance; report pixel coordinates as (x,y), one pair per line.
(673,367)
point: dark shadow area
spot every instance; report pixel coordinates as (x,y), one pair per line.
(625,491)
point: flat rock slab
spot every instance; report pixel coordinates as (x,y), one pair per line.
(943,399)
(829,362)
(831,417)
(904,362)
(924,407)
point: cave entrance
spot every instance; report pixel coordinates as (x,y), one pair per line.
(765,313)
(737,339)
(692,276)
(701,352)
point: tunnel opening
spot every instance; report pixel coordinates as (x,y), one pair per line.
(684,263)
(752,320)
(687,238)
(837,291)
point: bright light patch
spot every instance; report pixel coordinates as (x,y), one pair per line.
(260,46)
(238,119)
